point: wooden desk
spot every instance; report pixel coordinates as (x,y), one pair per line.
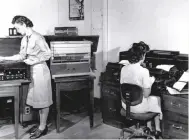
(12,88)
(73,83)
(175,116)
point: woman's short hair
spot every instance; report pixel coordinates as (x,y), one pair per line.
(22,19)
(137,51)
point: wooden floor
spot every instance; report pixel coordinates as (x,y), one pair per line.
(75,126)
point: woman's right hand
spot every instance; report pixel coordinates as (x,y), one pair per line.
(153,79)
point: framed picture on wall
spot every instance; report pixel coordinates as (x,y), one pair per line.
(76,9)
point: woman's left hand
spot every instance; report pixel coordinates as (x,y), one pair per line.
(29,62)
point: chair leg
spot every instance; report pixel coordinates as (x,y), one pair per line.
(121,135)
(137,125)
(129,130)
(149,136)
(130,136)
(135,132)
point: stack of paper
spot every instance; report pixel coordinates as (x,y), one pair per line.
(164,67)
(184,77)
(174,91)
(179,85)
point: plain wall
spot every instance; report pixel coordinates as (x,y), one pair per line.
(163,24)
(45,14)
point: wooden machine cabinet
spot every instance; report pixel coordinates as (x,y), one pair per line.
(175,116)
(111,105)
(111,100)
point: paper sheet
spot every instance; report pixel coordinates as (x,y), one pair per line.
(164,67)
(124,62)
(174,91)
(179,85)
(184,77)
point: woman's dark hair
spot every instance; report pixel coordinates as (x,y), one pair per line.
(137,52)
(22,19)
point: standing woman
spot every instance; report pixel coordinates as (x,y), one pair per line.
(34,51)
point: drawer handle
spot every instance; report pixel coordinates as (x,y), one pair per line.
(112,110)
(175,104)
(185,106)
(112,93)
(177,127)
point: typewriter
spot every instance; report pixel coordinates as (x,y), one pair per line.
(12,70)
(165,78)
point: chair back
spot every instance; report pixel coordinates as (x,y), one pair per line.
(131,95)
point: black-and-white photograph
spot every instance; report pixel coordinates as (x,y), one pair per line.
(76,9)
(94,69)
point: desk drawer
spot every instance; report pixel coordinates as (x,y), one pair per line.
(111,108)
(175,130)
(70,86)
(109,91)
(171,116)
(7,91)
(175,104)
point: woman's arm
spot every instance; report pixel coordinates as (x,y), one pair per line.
(13,58)
(45,53)
(146,92)
(17,57)
(147,83)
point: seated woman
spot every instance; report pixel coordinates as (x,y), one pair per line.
(134,73)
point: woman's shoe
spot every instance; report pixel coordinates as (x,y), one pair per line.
(33,129)
(38,133)
(158,135)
